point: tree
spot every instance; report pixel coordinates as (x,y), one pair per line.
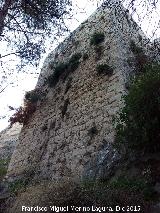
(24,24)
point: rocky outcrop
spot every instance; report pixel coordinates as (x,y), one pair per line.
(8,140)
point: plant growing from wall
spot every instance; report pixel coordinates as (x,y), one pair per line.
(138,124)
(104,69)
(32,96)
(141,58)
(58,71)
(23,114)
(97,38)
(74,62)
(64,69)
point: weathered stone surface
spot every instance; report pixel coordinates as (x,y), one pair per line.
(70,143)
(8,140)
(103,165)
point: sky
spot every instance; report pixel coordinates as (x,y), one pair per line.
(13,96)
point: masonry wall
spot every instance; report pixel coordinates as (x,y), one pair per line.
(54,146)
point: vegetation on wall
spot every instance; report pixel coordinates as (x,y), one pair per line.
(23,114)
(138,124)
(140,58)
(63,69)
(32,96)
(97,38)
(104,69)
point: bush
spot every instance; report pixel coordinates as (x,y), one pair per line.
(74,62)
(63,69)
(97,38)
(138,124)
(23,114)
(104,69)
(141,58)
(32,96)
(58,71)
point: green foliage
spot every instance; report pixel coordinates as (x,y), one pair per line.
(138,124)
(74,62)
(63,69)
(104,69)
(97,38)
(135,184)
(58,71)
(126,183)
(32,96)
(141,58)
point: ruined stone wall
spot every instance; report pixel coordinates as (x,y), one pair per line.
(76,144)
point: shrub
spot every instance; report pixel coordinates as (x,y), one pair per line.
(58,71)
(104,69)
(32,96)
(74,62)
(138,124)
(23,114)
(97,38)
(63,69)
(141,58)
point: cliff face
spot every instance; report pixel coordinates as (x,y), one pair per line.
(72,132)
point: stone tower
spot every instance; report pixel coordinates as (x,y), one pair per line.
(71,132)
